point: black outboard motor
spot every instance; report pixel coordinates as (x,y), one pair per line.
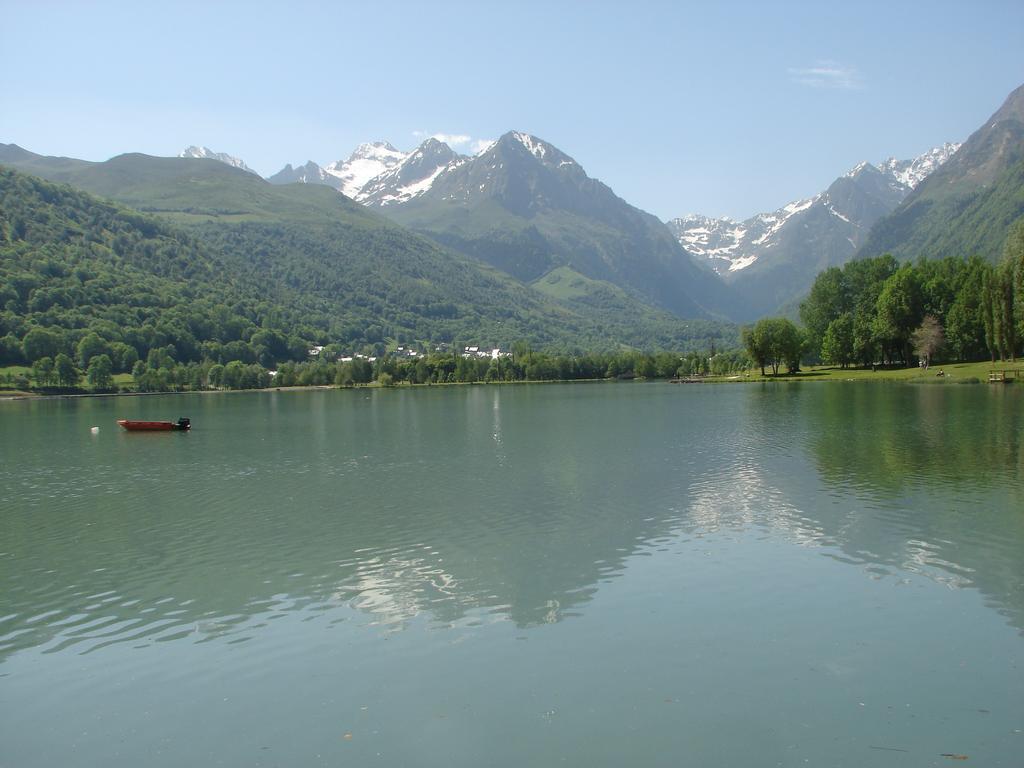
(184,423)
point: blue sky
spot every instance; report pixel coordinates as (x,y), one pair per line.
(723,108)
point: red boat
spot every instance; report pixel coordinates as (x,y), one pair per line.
(154,426)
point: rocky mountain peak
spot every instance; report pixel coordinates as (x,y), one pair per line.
(205,153)
(545,153)
(374,150)
(912,172)
(413,176)
(368,161)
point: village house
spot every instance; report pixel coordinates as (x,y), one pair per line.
(477,352)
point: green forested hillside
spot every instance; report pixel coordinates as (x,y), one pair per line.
(966,207)
(957,223)
(262,287)
(71,265)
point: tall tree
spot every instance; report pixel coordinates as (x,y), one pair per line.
(1013,253)
(100,373)
(91,345)
(927,339)
(965,322)
(1005,309)
(773,341)
(41,342)
(757,344)
(837,346)
(829,298)
(899,312)
(989,315)
(42,371)
(66,371)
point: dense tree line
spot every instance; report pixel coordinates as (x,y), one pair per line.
(877,310)
(160,373)
(527,365)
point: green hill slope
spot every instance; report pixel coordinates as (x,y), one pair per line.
(968,205)
(299,259)
(191,189)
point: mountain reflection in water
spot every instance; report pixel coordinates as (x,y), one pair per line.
(482,504)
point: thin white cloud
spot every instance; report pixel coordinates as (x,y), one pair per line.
(453,139)
(460,142)
(829,75)
(480,146)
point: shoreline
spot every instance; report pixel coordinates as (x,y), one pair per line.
(958,373)
(29,396)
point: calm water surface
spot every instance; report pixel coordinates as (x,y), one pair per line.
(591,575)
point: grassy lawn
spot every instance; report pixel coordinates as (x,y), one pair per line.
(121,380)
(565,283)
(954,372)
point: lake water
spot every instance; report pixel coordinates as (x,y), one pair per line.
(585,575)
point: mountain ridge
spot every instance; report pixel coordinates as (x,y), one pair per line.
(732,245)
(526,207)
(968,205)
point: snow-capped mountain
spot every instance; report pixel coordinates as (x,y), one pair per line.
(208,154)
(525,173)
(732,246)
(910,173)
(347,176)
(771,259)
(527,208)
(413,176)
(367,162)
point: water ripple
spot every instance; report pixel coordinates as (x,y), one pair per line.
(422,512)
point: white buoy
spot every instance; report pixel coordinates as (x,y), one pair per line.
(95,430)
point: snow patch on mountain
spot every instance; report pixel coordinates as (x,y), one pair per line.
(536,147)
(366,163)
(773,222)
(483,146)
(852,173)
(387,189)
(913,172)
(413,176)
(837,214)
(205,153)
(741,262)
(732,245)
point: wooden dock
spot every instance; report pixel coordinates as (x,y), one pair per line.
(1004,375)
